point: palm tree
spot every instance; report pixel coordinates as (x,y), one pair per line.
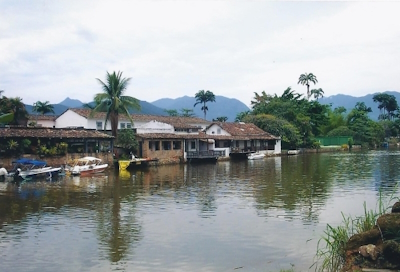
(305,79)
(113,102)
(16,106)
(43,107)
(204,97)
(221,119)
(317,93)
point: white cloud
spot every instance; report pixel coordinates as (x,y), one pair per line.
(54,49)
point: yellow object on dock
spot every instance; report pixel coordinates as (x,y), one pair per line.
(123,164)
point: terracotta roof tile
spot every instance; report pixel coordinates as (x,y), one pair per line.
(176,121)
(34,117)
(245,131)
(26,132)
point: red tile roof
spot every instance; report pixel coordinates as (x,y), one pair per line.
(176,121)
(27,132)
(34,117)
(245,131)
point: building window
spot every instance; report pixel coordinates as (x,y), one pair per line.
(176,145)
(122,125)
(218,131)
(157,145)
(128,125)
(166,145)
(192,145)
(99,125)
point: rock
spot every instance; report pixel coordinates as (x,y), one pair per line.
(391,252)
(364,238)
(396,207)
(369,251)
(389,224)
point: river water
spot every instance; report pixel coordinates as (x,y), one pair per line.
(262,215)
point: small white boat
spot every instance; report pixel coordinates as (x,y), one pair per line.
(256,156)
(26,169)
(293,152)
(87,165)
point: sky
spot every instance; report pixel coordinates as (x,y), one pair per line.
(51,50)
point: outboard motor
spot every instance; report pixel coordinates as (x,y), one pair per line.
(17,177)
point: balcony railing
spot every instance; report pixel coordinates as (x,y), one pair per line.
(205,154)
(251,149)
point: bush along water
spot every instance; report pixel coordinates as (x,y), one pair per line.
(368,241)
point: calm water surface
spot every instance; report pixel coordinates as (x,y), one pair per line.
(230,216)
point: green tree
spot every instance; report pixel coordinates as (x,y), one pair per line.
(387,105)
(317,93)
(16,107)
(365,130)
(172,112)
(203,97)
(290,135)
(221,119)
(112,100)
(43,107)
(127,139)
(306,79)
(187,112)
(241,116)
(336,119)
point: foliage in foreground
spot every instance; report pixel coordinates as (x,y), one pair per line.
(331,252)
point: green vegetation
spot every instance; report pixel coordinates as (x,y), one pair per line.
(203,97)
(126,139)
(184,112)
(112,100)
(331,247)
(12,111)
(299,120)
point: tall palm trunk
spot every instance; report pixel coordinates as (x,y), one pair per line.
(114,123)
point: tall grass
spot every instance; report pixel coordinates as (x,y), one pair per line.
(331,246)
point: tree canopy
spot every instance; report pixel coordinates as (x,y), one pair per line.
(203,97)
(112,100)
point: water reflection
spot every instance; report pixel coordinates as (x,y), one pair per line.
(258,215)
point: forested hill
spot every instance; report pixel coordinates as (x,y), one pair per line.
(349,102)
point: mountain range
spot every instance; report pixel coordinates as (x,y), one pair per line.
(224,106)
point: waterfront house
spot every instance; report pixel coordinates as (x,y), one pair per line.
(242,138)
(78,140)
(174,138)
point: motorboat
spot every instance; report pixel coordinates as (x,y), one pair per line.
(87,165)
(27,168)
(256,156)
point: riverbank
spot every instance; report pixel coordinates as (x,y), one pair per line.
(108,158)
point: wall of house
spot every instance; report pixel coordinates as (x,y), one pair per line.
(216,130)
(163,156)
(71,119)
(42,123)
(226,149)
(278,147)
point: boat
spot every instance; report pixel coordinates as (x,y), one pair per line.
(87,165)
(27,169)
(293,152)
(124,164)
(255,156)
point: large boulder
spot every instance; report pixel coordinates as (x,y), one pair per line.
(389,225)
(396,207)
(364,238)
